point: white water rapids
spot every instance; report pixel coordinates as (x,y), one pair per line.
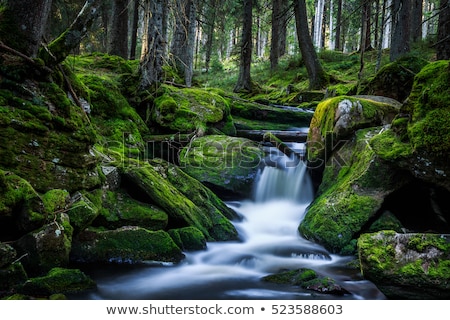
(270,242)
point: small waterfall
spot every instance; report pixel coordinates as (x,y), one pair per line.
(286,183)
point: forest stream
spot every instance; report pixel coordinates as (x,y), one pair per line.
(270,243)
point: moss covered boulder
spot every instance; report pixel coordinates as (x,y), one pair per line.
(428,110)
(354,185)
(118,209)
(188,238)
(21,207)
(57,281)
(11,276)
(46,247)
(53,140)
(307,279)
(151,184)
(336,119)
(124,245)
(394,80)
(190,109)
(407,266)
(228,164)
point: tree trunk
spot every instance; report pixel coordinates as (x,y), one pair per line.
(416,20)
(210,24)
(70,39)
(29,19)
(183,42)
(151,65)
(401,35)
(274,44)
(318,23)
(134,30)
(118,32)
(443,43)
(381,37)
(318,79)
(338,44)
(244,82)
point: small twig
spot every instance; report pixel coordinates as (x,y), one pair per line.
(20,258)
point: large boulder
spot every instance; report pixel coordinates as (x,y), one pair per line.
(336,119)
(351,195)
(46,247)
(227,164)
(53,141)
(407,266)
(190,109)
(57,281)
(394,80)
(118,209)
(124,245)
(187,204)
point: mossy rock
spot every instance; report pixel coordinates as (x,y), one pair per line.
(407,266)
(46,247)
(7,254)
(307,279)
(51,135)
(429,109)
(12,276)
(188,239)
(227,163)
(352,191)
(118,209)
(152,183)
(21,207)
(82,211)
(336,119)
(124,245)
(394,80)
(193,189)
(58,281)
(191,109)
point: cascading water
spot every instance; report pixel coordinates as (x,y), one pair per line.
(270,242)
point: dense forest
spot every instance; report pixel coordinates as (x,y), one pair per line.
(127,126)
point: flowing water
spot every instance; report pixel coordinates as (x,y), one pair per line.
(270,242)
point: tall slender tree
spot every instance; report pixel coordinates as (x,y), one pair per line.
(118,31)
(401,35)
(416,20)
(443,41)
(151,64)
(134,29)
(244,82)
(318,78)
(183,42)
(278,36)
(210,23)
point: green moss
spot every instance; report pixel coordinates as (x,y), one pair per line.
(55,200)
(119,209)
(125,245)
(388,146)
(58,280)
(431,133)
(189,238)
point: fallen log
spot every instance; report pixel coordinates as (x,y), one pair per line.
(287,136)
